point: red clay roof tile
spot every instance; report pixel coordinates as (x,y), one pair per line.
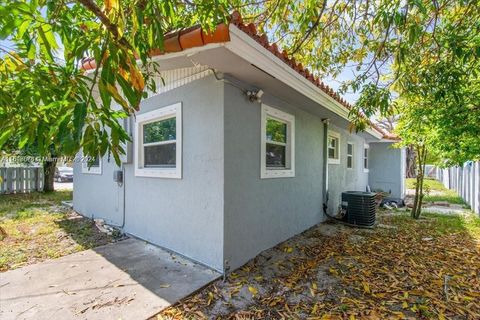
(192,38)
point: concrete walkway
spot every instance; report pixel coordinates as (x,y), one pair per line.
(63,186)
(126,280)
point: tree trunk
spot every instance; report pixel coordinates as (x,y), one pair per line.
(411,163)
(417,204)
(415,201)
(49,175)
(422,166)
(417,191)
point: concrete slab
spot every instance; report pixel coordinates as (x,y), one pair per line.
(63,186)
(125,280)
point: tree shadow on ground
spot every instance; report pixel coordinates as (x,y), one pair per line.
(83,231)
(422,269)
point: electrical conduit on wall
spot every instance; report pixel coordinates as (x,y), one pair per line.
(325,166)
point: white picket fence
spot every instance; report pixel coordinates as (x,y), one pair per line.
(465,180)
(20,179)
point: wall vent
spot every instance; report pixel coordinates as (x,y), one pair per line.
(171,79)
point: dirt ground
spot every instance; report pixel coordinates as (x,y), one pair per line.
(38,227)
(402,269)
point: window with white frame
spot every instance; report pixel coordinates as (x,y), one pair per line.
(365,157)
(158,143)
(333,147)
(278,143)
(91,166)
(350,151)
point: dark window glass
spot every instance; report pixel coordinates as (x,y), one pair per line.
(350,148)
(333,143)
(275,155)
(331,153)
(365,158)
(349,155)
(95,162)
(276,131)
(365,163)
(332,148)
(349,162)
(160,156)
(162,130)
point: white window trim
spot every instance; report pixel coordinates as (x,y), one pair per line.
(366,146)
(265,172)
(91,170)
(335,135)
(352,155)
(155,115)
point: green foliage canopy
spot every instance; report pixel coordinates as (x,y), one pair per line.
(48,101)
(419,58)
(405,54)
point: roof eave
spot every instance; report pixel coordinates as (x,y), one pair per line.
(246,47)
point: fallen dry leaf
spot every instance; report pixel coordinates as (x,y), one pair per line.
(392,274)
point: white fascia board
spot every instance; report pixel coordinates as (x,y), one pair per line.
(374,133)
(244,46)
(390,140)
(385,140)
(187,52)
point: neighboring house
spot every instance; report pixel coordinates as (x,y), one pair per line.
(219,172)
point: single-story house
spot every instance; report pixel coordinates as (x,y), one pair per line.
(234,153)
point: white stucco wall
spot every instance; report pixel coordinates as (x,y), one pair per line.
(260,213)
(183,215)
(221,210)
(341,178)
(387,168)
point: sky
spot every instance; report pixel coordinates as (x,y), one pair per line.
(347,74)
(7,45)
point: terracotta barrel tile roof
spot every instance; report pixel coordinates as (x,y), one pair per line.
(220,34)
(181,40)
(197,37)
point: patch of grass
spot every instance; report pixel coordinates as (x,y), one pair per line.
(38,228)
(439,224)
(435,192)
(16,203)
(430,184)
(449,196)
(446,224)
